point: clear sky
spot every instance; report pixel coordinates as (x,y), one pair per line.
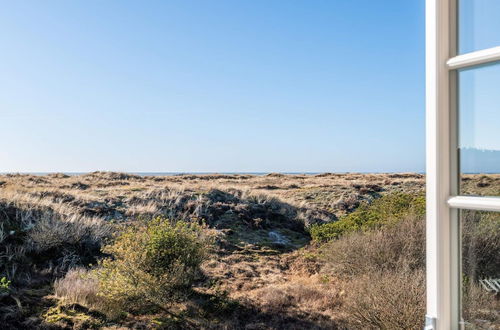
(217,86)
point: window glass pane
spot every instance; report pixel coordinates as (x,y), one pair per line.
(479,25)
(480,269)
(479,130)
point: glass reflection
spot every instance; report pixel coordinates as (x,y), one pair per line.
(479,130)
(480,269)
(479,25)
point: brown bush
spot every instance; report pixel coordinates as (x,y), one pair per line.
(386,300)
(383,275)
(276,299)
(393,248)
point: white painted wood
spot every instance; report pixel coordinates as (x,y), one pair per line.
(441,223)
(474,58)
(475,203)
(443,235)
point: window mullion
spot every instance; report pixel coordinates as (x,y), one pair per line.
(475,203)
(475,58)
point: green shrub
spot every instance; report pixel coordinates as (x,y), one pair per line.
(4,284)
(383,211)
(152,265)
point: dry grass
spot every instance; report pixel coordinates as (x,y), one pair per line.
(312,295)
(37,244)
(111,195)
(79,286)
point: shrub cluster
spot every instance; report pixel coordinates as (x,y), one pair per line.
(392,249)
(382,272)
(388,209)
(151,265)
(392,300)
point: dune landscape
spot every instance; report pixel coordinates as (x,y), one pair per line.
(272,251)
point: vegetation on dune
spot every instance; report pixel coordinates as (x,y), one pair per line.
(36,245)
(152,265)
(386,210)
(119,250)
(381,272)
(398,247)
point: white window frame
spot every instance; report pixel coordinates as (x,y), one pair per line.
(442,167)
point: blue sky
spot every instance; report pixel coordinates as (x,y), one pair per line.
(218,86)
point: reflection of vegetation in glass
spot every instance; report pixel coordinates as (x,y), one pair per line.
(480,263)
(480,184)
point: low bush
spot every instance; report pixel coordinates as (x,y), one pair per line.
(152,265)
(386,300)
(382,275)
(395,248)
(383,211)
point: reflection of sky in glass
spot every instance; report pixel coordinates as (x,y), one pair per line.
(479,119)
(479,107)
(479,25)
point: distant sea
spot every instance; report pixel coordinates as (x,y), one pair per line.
(168,173)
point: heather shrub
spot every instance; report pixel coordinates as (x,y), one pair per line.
(386,210)
(152,265)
